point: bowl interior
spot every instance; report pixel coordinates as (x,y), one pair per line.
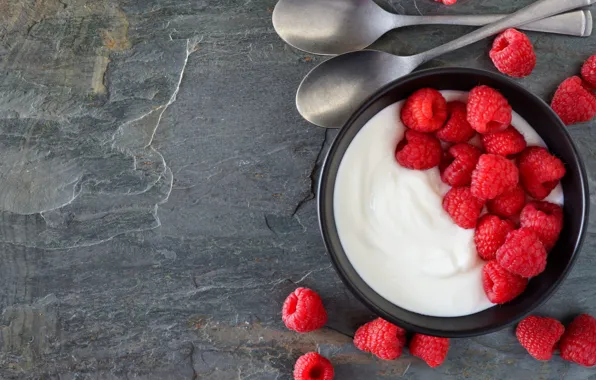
(553,132)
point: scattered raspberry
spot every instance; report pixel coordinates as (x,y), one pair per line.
(462,206)
(493,176)
(490,235)
(573,102)
(539,336)
(505,143)
(303,311)
(458,164)
(488,110)
(522,253)
(513,54)
(509,203)
(431,349)
(381,338)
(579,342)
(545,219)
(457,129)
(499,285)
(312,366)
(589,71)
(425,110)
(418,151)
(539,171)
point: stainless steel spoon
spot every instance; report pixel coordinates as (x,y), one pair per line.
(333,90)
(331,27)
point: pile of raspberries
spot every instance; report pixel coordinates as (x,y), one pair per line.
(303,312)
(505,176)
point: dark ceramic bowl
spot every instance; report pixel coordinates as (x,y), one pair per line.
(540,116)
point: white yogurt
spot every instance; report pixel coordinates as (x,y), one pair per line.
(394,230)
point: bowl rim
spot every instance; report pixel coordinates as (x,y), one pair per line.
(324,219)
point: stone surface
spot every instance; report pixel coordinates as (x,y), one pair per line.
(156,195)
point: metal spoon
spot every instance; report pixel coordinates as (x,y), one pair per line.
(331,92)
(331,27)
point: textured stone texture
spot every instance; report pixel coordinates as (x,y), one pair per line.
(156,195)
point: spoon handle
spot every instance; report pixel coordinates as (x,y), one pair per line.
(535,11)
(576,23)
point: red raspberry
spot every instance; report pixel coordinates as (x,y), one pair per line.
(462,206)
(505,143)
(447,2)
(418,151)
(500,285)
(488,110)
(573,101)
(509,203)
(458,164)
(303,311)
(522,253)
(381,338)
(431,349)
(425,110)
(490,235)
(589,71)
(493,176)
(457,129)
(545,219)
(312,366)
(513,54)
(539,171)
(539,336)
(579,342)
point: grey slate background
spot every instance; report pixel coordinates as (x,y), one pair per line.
(156,195)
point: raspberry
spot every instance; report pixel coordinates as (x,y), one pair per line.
(457,129)
(431,349)
(488,110)
(303,311)
(545,219)
(458,164)
(509,203)
(462,206)
(579,342)
(500,285)
(513,54)
(381,338)
(425,110)
(418,151)
(447,2)
(573,102)
(522,253)
(490,235)
(539,171)
(312,366)
(589,71)
(493,176)
(505,143)
(539,336)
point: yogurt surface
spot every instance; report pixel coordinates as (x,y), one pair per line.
(394,230)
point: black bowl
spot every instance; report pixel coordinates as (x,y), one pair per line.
(540,116)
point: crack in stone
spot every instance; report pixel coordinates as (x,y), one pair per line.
(195,375)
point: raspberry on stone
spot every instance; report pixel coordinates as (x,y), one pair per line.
(303,311)
(506,143)
(545,219)
(462,206)
(574,102)
(508,204)
(522,253)
(488,110)
(589,71)
(418,151)
(578,344)
(493,176)
(539,336)
(433,350)
(447,2)
(313,366)
(424,111)
(381,338)
(500,285)
(539,171)
(513,54)
(458,164)
(457,129)
(490,235)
